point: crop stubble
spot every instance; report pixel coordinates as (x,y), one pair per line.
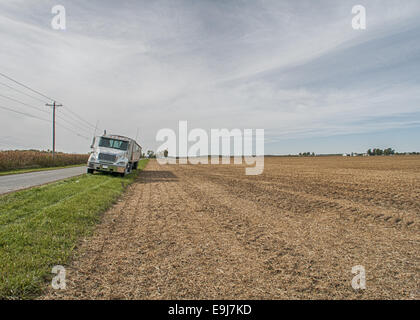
(296,231)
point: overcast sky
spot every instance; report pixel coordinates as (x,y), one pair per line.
(294,68)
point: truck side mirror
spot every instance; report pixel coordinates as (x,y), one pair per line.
(93,143)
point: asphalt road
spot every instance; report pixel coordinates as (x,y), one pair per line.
(16,182)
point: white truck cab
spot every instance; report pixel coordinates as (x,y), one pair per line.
(114,153)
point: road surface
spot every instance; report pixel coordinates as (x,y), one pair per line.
(16,182)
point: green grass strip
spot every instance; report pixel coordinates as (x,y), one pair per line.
(40,227)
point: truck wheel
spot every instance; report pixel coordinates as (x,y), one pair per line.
(90,171)
(130,167)
(126,171)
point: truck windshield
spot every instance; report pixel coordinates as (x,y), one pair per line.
(113,143)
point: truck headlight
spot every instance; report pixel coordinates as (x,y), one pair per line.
(122,162)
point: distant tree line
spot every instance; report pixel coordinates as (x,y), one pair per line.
(306,154)
(380,152)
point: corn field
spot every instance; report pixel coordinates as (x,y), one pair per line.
(28,159)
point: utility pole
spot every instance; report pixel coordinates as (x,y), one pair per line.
(54,105)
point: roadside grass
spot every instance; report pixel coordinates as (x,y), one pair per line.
(18,171)
(40,227)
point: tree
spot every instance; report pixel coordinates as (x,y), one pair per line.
(380,152)
(165,153)
(307,154)
(389,151)
(151,154)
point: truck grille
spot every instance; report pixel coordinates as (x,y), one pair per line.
(107,157)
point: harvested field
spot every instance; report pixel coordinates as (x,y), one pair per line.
(294,232)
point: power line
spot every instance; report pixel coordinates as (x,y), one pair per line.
(23,103)
(77,119)
(76,115)
(47,97)
(73,124)
(71,130)
(24,113)
(14,145)
(27,87)
(24,93)
(46,120)
(36,108)
(96,127)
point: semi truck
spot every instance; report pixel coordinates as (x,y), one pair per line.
(114,153)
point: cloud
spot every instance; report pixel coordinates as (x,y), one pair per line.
(296,69)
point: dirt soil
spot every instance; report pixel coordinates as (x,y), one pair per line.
(294,232)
